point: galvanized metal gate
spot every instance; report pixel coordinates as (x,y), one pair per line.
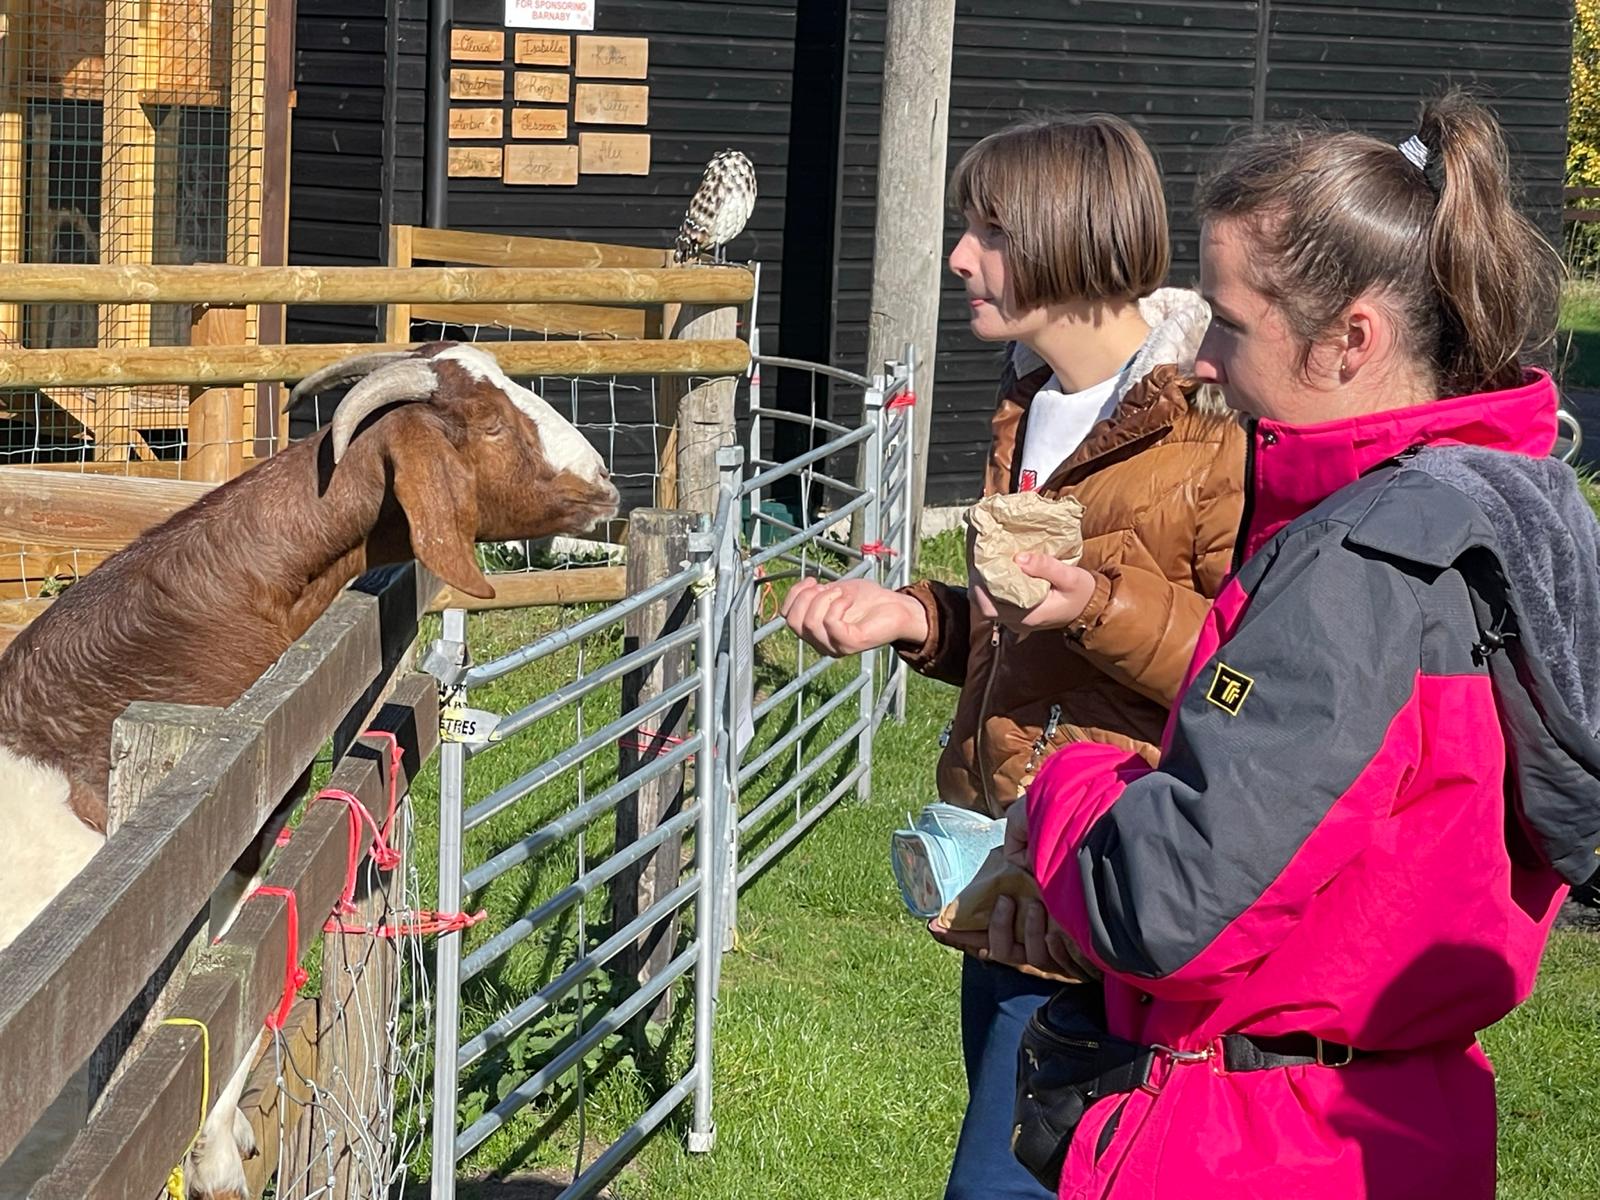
(765,760)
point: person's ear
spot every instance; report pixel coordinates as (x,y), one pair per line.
(1367,336)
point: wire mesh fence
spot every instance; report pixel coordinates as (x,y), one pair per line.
(129,133)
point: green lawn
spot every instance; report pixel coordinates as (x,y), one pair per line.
(1578,335)
(837,1069)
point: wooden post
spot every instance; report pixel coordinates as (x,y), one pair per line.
(658,545)
(216,415)
(280,1114)
(146,743)
(127,190)
(13,121)
(397,317)
(699,418)
(908,241)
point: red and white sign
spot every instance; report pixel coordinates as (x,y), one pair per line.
(550,14)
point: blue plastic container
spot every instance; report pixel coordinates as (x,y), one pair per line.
(940,853)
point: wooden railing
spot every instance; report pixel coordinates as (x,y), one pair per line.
(191,789)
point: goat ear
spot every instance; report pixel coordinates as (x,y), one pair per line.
(435,486)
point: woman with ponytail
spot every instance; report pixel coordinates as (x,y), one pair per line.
(1380,776)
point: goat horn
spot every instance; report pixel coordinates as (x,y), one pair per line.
(342,372)
(397,383)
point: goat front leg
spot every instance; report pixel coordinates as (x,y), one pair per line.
(215,1166)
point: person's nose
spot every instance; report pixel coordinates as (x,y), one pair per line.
(1207,362)
(961,257)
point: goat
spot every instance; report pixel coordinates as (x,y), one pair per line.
(430,451)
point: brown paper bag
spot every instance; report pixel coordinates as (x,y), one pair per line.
(998,876)
(1005,525)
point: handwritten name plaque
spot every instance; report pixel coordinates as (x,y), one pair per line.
(474,162)
(614,153)
(613,57)
(477,45)
(542,87)
(612,104)
(544,49)
(475,122)
(477,85)
(541,165)
(539,123)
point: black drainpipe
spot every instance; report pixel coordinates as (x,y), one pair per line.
(436,136)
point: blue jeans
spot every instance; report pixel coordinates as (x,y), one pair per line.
(996,1002)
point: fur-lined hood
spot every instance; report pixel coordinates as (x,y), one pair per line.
(1178,319)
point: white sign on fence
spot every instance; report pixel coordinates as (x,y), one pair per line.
(550,14)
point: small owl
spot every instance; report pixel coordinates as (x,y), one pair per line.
(720,207)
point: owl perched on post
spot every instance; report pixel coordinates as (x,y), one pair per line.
(720,207)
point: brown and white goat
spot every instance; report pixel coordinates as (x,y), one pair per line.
(429,452)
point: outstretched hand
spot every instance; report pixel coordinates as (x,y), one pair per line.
(852,615)
(1071,589)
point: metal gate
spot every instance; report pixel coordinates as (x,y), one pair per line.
(770,742)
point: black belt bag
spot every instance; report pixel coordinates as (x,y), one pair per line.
(1067,1061)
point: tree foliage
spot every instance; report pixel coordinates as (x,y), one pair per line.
(1583,111)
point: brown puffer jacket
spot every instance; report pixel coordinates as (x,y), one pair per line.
(1161,483)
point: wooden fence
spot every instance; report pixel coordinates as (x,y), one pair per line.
(619,310)
(191,790)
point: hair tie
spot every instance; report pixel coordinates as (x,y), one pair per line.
(1416,153)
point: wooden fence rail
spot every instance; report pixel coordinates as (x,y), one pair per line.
(38,283)
(215,365)
(102,938)
(147,1118)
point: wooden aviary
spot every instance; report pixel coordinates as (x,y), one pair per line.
(135,132)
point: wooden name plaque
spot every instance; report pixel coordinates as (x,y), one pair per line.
(613,57)
(539,123)
(612,104)
(614,153)
(474,162)
(475,122)
(541,165)
(542,87)
(477,45)
(477,85)
(543,49)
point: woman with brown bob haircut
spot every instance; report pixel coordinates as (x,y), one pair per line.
(1063,253)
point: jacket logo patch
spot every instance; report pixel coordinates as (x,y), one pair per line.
(1228,689)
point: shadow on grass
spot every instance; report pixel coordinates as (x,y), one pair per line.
(1578,357)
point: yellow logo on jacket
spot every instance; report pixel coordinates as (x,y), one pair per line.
(1229,688)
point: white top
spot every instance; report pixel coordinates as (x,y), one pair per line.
(1059,421)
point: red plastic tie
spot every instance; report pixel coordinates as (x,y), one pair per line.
(397,757)
(904,400)
(878,550)
(424,923)
(285,836)
(294,977)
(384,856)
(653,743)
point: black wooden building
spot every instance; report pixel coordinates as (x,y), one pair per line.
(798,88)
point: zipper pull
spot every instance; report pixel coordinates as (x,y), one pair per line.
(1053,723)
(994,635)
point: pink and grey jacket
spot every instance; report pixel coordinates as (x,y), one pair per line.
(1326,846)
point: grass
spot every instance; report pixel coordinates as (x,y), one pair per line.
(837,1054)
(1578,335)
